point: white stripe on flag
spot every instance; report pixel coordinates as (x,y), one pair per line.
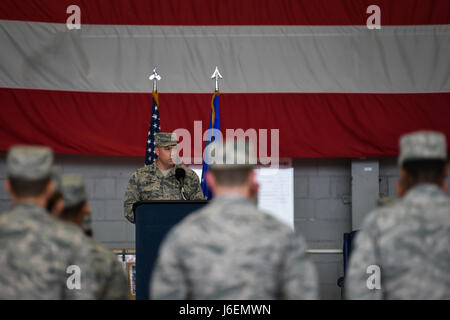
(320,59)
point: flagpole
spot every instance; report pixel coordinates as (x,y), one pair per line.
(212,125)
(154,125)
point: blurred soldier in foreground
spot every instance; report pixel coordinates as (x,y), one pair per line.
(55,205)
(229,249)
(402,251)
(110,276)
(40,257)
(162,180)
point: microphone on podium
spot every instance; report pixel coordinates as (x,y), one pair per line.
(180,173)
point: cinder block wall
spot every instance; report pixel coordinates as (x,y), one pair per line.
(322,189)
(322,203)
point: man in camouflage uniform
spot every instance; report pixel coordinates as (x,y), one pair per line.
(158,181)
(40,257)
(231,250)
(109,274)
(55,205)
(409,239)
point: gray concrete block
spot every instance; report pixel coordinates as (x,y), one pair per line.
(304,208)
(131,232)
(384,187)
(114,210)
(388,166)
(120,245)
(326,258)
(87,170)
(89,184)
(121,186)
(340,186)
(323,230)
(300,186)
(329,292)
(448,184)
(98,209)
(109,231)
(332,209)
(328,272)
(319,187)
(123,171)
(305,167)
(392,181)
(334,167)
(2,164)
(105,188)
(324,244)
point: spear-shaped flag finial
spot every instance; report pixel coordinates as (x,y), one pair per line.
(155,77)
(216,75)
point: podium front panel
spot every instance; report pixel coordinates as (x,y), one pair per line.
(154,219)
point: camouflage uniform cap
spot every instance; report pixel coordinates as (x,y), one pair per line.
(422,145)
(165,139)
(29,162)
(56,175)
(73,190)
(232,154)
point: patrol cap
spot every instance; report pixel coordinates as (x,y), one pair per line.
(231,154)
(422,145)
(29,162)
(73,189)
(165,139)
(56,175)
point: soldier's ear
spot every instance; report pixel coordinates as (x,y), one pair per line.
(211,181)
(49,189)
(400,185)
(157,150)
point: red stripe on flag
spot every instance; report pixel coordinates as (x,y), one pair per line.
(311,125)
(230,12)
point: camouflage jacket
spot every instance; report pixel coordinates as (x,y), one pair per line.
(36,251)
(231,250)
(148,183)
(410,242)
(110,276)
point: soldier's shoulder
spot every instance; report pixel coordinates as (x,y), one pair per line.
(189,172)
(69,232)
(100,251)
(143,172)
(384,217)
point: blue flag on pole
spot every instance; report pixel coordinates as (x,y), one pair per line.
(214,123)
(155,127)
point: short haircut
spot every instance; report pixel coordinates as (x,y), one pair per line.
(423,171)
(51,203)
(72,211)
(231,177)
(28,188)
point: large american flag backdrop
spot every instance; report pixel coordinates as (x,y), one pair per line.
(312,69)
